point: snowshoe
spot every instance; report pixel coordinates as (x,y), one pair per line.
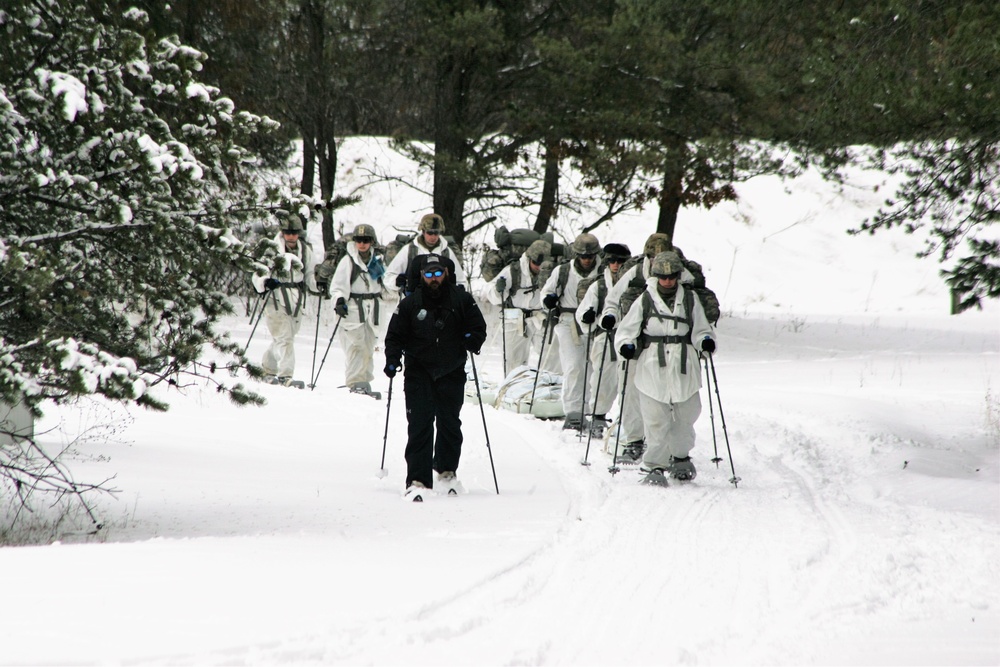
(654,477)
(415,492)
(447,484)
(631,453)
(682,469)
(597,425)
(365,389)
(286,381)
(573,422)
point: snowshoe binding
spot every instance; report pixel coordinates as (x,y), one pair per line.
(631,453)
(415,492)
(682,469)
(573,421)
(654,477)
(448,484)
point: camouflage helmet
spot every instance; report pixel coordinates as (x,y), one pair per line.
(666,263)
(292,224)
(586,244)
(539,251)
(362,231)
(655,244)
(432,222)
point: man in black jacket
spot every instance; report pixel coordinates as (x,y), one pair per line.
(435,328)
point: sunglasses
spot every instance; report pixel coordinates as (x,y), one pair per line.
(433,274)
(669,276)
(587,256)
(430,233)
(615,260)
(363,239)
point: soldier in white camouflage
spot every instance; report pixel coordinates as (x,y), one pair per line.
(662,336)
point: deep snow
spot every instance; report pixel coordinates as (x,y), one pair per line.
(863,421)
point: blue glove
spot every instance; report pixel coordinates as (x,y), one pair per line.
(272,283)
(341,307)
(608,322)
(392,367)
(708,345)
(550,301)
(627,351)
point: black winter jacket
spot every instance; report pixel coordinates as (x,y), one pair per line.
(432,332)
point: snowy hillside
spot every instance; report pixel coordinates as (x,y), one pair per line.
(863,422)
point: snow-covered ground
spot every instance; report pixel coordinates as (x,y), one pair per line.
(863,423)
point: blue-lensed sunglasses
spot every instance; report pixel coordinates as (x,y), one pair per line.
(433,274)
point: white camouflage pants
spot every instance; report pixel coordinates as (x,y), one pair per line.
(608,377)
(572,352)
(669,428)
(358,342)
(279,358)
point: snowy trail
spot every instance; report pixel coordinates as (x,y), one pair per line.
(853,524)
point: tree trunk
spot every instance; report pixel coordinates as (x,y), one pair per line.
(550,188)
(670,198)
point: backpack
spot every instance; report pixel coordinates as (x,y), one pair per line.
(637,285)
(602,289)
(510,246)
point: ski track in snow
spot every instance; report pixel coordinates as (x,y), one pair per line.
(821,548)
(838,561)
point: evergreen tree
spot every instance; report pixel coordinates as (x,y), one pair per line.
(122,180)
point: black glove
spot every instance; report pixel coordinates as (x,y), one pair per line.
(708,345)
(589,316)
(401,280)
(471,345)
(272,283)
(392,367)
(627,351)
(324,287)
(608,322)
(341,307)
(501,285)
(550,301)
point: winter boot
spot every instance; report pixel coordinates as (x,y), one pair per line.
(574,420)
(682,469)
(415,492)
(448,484)
(631,453)
(654,477)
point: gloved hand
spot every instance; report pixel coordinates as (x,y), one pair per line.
(272,283)
(501,285)
(627,351)
(401,280)
(341,307)
(708,345)
(589,316)
(324,288)
(608,322)
(392,367)
(471,345)
(550,301)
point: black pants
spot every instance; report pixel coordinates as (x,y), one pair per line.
(429,400)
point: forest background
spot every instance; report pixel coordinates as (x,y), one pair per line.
(138,145)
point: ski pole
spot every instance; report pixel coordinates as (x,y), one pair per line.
(621,411)
(254,330)
(312,371)
(475,376)
(586,370)
(332,336)
(541,356)
(382,472)
(503,336)
(597,389)
(711,415)
(734,480)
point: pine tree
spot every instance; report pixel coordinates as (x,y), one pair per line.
(122,182)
